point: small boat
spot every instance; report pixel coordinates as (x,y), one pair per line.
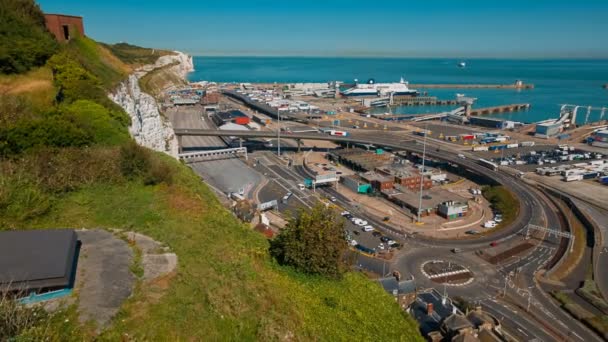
(462,65)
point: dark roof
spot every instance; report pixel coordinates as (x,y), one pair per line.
(455,322)
(390,284)
(36,259)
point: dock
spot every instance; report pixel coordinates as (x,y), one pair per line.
(422,101)
(516,85)
(500,109)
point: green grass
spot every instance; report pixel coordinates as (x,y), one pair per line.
(158,79)
(503,200)
(227,287)
(135,55)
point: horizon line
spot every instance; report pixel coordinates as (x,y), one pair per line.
(401,57)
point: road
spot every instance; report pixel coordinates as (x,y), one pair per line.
(533,210)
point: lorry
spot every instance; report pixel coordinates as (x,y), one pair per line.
(338,133)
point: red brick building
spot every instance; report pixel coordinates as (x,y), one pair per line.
(412,182)
(64,27)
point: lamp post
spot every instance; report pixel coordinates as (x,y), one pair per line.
(426,132)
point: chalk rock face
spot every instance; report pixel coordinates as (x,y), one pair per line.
(148,127)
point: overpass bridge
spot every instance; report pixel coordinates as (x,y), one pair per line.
(225,153)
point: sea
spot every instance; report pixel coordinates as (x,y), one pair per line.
(556,82)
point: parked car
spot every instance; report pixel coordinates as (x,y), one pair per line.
(456,250)
(494,244)
(395,245)
(355,232)
(376,234)
(489,224)
(333,199)
(368,228)
(344,213)
(471,232)
(498,219)
(385,239)
(381,246)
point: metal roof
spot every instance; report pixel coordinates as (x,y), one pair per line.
(34,259)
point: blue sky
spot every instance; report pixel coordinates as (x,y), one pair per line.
(421,28)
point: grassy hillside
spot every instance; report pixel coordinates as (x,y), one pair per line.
(135,55)
(24,41)
(67,161)
(227,286)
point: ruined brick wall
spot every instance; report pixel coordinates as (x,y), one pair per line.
(64,27)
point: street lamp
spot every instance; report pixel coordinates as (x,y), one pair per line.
(426,132)
(279,133)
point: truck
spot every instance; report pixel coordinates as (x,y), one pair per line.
(572,178)
(480,148)
(604,180)
(338,133)
(527,143)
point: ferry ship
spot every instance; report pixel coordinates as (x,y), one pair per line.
(371,88)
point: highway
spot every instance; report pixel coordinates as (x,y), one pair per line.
(534,209)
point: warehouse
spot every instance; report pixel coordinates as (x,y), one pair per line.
(38,261)
(452,210)
(355,184)
(428,204)
(235,116)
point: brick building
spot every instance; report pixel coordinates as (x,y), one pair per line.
(64,27)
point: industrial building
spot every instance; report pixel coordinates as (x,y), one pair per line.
(411,200)
(361,160)
(355,184)
(452,210)
(36,262)
(409,178)
(488,122)
(548,129)
(234,116)
(378,181)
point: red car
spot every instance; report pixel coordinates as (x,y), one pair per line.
(494,244)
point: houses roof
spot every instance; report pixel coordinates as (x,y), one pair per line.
(390,285)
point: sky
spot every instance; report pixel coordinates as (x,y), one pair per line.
(371,28)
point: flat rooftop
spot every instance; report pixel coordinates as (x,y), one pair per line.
(37,259)
(430,198)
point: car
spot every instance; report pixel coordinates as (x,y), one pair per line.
(386,219)
(333,199)
(353,242)
(456,250)
(471,232)
(384,239)
(395,245)
(368,228)
(381,246)
(345,213)
(338,172)
(493,244)
(497,219)
(376,234)
(391,242)
(489,224)
(355,232)
(361,223)
(461,156)
(348,216)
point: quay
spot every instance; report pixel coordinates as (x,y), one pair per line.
(422,101)
(516,85)
(500,109)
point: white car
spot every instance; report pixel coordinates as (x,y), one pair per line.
(368,228)
(489,224)
(333,199)
(498,219)
(391,242)
(344,213)
(381,246)
(361,223)
(353,242)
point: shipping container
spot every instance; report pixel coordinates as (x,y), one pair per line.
(480,148)
(604,180)
(528,143)
(512,145)
(591,175)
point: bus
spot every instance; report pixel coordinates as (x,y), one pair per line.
(488,164)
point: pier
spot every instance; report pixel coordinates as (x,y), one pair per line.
(422,101)
(516,85)
(500,109)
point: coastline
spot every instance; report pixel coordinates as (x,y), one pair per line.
(148,126)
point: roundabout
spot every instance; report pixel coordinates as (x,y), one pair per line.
(447,273)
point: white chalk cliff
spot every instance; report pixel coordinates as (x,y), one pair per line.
(148,127)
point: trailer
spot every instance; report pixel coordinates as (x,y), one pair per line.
(572,178)
(338,133)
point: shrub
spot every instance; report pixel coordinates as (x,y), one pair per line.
(24,41)
(312,243)
(137,162)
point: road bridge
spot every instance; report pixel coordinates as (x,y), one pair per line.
(225,153)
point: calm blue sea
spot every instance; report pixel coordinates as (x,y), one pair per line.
(556,81)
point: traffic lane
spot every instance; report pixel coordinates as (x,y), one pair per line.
(514,323)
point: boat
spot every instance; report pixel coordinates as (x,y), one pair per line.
(462,65)
(371,88)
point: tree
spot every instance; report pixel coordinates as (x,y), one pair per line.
(312,242)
